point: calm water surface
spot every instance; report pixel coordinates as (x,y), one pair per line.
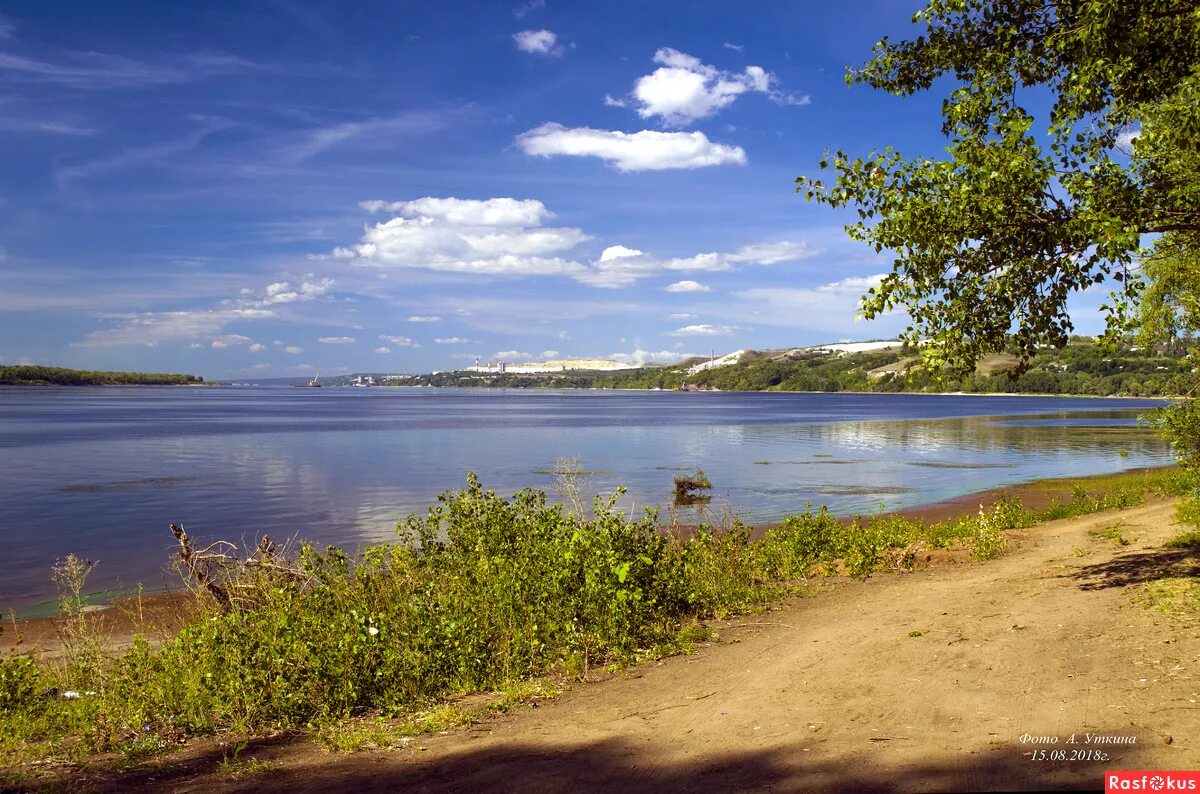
(101,472)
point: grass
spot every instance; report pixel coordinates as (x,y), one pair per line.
(1113,532)
(485,594)
(1177,597)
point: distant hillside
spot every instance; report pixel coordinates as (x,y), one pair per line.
(1081,367)
(57,376)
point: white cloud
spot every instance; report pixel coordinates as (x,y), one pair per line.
(549,354)
(382,349)
(468,212)
(260,367)
(368,132)
(337,340)
(418,318)
(453,340)
(830,308)
(283,292)
(854,285)
(399,341)
(514,355)
(538,42)
(257,348)
(710,262)
(619,266)
(647,150)
(641,357)
(703,330)
(772,253)
(504,236)
(684,88)
(681,316)
(492,237)
(1125,140)
(527,7)
(152,328)
(687,286)
(293,350)
(735,47)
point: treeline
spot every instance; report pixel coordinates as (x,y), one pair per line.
(1079,368)
(57,376)
(1082,367)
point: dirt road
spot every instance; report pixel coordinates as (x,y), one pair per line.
(917,682)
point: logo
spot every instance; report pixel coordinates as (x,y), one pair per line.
(1152,780)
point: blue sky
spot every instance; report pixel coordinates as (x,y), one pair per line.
(267,189)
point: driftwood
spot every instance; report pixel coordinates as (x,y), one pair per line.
(215,567)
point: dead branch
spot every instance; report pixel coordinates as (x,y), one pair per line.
(200,563)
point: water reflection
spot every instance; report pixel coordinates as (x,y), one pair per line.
(101,473)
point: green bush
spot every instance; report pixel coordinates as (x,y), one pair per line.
(19,678)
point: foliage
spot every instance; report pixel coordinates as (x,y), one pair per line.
(1082,367)
(990,242)
(56,376)
(481,594)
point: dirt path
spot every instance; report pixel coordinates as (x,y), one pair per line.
(832,692)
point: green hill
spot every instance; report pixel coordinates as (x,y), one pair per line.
(1082,367)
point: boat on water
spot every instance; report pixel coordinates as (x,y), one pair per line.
(315,383)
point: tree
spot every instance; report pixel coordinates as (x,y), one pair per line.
(991,241)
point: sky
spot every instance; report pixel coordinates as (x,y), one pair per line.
(277,188)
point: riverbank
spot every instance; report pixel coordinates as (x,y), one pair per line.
(120,618)
(921,681)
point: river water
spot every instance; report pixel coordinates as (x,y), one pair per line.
(101,472)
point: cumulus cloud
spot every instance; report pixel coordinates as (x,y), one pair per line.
(453,340)
(424,318)
(703,330)
(293,350)
(468,212)
(550,354)
(382,349)
(398,341)
(854,285)
(647,150)
(506,236)
(500,236)
(257,348)
(619,266)
(514,355)
(684,89)
(681,316)
(687,286)
(337,340)
(538,42)
(283,292)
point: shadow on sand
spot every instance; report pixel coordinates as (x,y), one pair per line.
(619,765)
(1140,567)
